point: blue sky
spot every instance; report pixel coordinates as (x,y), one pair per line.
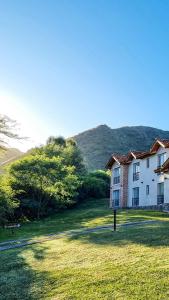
(70,65)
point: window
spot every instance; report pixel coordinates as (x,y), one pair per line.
(148,162)
(116,197)
(135,199)
(161,159)
(160,193)
(136,171)
(116,175)
(147,190)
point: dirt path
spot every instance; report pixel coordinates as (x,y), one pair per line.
(12,244)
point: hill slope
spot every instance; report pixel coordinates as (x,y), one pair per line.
(9,155)
(99,143)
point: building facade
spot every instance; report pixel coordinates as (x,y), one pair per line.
(140,178)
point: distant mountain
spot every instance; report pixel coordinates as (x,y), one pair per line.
(99,143)
(8,155)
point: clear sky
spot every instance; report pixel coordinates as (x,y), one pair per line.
(70,65)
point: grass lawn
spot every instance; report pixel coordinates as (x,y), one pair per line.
(132,263)
(88,214)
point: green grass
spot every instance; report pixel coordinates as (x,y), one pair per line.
(87,214)
(130,264)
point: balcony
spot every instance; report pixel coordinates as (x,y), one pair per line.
(136,176)
(116,180)
(160,199)
(135,201)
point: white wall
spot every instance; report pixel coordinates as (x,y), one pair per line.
(166,188)
(148,177)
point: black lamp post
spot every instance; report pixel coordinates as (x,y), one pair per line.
(114,223)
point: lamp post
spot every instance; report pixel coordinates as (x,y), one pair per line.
(114,223)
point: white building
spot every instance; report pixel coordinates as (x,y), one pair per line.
(140,178)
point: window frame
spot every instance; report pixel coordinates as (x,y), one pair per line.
(116,200)
(148,162)
(136,174)
(135,196)
(147,190)
(159,161)
(116,178)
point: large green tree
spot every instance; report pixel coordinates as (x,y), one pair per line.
(43,184)
(67,149)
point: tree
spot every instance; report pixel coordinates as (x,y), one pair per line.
(7,129)
(95,185)
(72,156)
(48,178)
(60,141)
(104,175)
(7,202)
(71,142)
(42,183)
(68,150)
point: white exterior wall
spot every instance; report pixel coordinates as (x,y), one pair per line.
(148,177)
(114,187)
(166,188)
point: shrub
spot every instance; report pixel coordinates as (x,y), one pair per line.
(95,185)
(7,202)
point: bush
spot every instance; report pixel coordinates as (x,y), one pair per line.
(100,174)
(7,203)
(95,185)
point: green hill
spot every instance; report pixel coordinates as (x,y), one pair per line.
(8,155)
(99,143)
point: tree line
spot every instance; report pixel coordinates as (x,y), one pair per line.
(47,179)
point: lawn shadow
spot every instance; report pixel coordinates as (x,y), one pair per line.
(18,280)
(151,235)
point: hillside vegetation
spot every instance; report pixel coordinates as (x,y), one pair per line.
(48,179)
(99,143)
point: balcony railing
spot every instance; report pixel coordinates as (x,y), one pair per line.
(135,201)
(160,199)
(116,180)
(136,176)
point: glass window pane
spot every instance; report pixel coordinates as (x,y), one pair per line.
(147,189)
(161,159)
(116,197)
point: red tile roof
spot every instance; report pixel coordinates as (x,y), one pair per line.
(121,159)
(158,143)
(126,159)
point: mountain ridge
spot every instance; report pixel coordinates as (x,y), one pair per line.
(98,143)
